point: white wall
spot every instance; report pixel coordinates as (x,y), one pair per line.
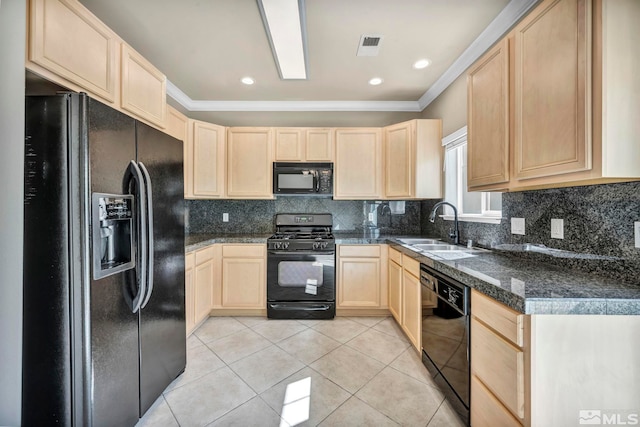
(12,47)
(450,106)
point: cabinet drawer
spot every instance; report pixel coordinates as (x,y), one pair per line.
(499,365)
(372,251)
(204,254)
(411,265)
(243,251)
(395,255)
(505,321)
(486,410)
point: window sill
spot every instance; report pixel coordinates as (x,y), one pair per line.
(474,218)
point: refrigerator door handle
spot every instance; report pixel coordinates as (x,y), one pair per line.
(150,250)
(133,172)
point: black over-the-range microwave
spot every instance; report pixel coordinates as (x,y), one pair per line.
(303,179)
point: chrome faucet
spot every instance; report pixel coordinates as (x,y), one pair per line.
(453,234)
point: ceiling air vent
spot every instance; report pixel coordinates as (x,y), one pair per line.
(369,45)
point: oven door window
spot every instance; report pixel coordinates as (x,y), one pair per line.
(300,276)
(300,273)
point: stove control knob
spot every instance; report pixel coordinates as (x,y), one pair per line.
(323,245)
(285,245)
(277,245)
(316,245)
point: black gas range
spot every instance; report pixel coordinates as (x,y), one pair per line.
(301,267)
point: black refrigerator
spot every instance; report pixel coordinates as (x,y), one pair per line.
(104,302)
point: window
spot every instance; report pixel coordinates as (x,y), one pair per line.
(472,206)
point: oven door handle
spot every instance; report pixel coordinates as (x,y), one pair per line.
(284,307)
(325,253)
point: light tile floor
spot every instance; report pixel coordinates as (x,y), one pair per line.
(349,371)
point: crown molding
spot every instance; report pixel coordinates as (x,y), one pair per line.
(197,105)
(511,13)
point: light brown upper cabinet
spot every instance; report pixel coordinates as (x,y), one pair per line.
(358,168)
(70,42)
(319,145)
(413,160)
(68,45)
(553,90)
(249,163)
(206,160)
(144,88)
(488,118)
(303,145)
(178,127)
(573,116)
(177,124)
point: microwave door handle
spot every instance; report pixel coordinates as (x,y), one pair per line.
(134,173)
(316,179)
(150,250)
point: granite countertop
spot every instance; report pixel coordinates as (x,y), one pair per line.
(193,242)
(532,287)
(528,286)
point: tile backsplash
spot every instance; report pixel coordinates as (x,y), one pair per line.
(598,220)
(256,216)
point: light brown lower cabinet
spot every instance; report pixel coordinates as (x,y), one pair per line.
(189,299)
(411,308)
(361,277)
(203,280)
(487,410)
(405,299)
(395,284)
(243,276)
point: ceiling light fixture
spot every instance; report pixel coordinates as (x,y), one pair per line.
(375,81)
(421,63)
(285,24)
(248,80)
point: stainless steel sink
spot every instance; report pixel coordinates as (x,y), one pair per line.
(418,241)
(437,247)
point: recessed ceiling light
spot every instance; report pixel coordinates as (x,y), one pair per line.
(421,63)
(375,81)
(247,80)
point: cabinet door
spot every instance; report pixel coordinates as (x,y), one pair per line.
(208,159)
(395,290)
(488,118)
(68,40)
(358,168)
(249,163)
(189,292)
(144,88)
(319,145)
(243,283)
(411,310)
(204,276)
(399,170)
(289,144)
(177,124)
(359,282)
(553,90)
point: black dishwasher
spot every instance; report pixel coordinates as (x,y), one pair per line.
(445,336)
